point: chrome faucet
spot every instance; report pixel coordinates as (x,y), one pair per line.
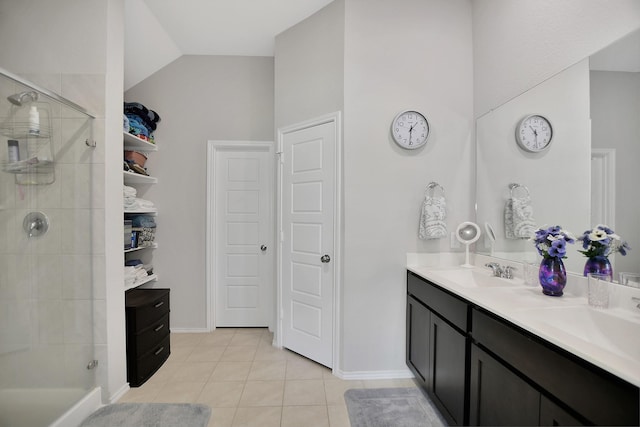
(505,272)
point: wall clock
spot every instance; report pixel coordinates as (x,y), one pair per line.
(534,133)
(410,129)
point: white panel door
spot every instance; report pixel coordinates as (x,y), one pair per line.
(243,270)
(307,245)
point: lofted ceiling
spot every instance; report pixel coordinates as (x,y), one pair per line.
(159,31)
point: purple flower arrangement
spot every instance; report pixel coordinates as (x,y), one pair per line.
(602,241)
(552,242)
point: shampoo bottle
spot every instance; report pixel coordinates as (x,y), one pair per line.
(34,121)
(14,150)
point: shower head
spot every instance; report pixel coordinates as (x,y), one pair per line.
(20,98)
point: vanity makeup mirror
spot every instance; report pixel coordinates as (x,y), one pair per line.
(467,233)
(587,176)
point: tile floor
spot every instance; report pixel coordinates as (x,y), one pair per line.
(248,382)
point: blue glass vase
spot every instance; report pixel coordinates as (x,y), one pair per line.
(599,264)
(552,276)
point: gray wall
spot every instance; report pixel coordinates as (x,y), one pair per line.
(518,44)
(198,98)
(405,54)
(309,67)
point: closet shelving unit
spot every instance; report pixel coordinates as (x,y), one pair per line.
(133,143)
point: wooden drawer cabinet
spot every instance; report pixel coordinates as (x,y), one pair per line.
(148,333)
(480,369)
(437,344)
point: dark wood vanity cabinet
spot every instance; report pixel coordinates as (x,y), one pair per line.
(480,369)
(568,390)
(148,333)
(436,347)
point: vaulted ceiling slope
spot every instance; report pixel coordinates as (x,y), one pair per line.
(159,31)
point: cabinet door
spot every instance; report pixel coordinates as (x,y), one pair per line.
(448,350)
(553,415)
(498,397)
(417,353)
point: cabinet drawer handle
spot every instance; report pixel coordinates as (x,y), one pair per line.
(158,328)
(158,351)
(159,304)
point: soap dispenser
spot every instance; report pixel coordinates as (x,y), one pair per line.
(34,121)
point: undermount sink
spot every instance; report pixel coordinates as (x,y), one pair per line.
(474,278)
(608,329)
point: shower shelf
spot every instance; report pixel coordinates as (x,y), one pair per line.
(29,166)
(21,131)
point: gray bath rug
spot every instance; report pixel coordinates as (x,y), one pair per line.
(391,407)
(149,415)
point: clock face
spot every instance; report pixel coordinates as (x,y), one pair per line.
(410,130)
(534,133)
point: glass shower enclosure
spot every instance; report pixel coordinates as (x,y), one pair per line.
(46,254)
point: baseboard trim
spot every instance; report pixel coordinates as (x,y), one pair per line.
(119,393)
(375,375)
(190,330)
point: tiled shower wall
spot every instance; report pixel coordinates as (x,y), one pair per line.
(52,291)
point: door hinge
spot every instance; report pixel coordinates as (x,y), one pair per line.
(281,155)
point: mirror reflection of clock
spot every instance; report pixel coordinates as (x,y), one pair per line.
(534,133)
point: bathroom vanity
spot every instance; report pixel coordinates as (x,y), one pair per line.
(481,349)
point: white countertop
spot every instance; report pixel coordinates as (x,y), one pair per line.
(608,338)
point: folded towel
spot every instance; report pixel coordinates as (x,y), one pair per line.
(129,191)
(518,218)
(432,225)
(132,204)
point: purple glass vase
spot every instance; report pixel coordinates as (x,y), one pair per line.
(552,276)
(599,264)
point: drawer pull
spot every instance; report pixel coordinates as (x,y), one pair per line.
(159,304)
(158,351)
(159,327)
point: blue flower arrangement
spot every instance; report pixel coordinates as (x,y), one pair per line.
(602,241)
(552,242)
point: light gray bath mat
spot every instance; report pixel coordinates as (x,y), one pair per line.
(149,415)
(391,407)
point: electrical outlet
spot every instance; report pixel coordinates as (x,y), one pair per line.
(455,243)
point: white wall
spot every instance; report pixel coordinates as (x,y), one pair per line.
(615,108)
(518,44)
(551,175)
(406,54)
(198,98)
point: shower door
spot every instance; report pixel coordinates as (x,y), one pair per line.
(46,255)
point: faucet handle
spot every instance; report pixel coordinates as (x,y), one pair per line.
(508,271)
(495,268)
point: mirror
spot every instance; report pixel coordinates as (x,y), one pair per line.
(588,174)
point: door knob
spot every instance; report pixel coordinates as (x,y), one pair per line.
(325,258)
(263,248)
